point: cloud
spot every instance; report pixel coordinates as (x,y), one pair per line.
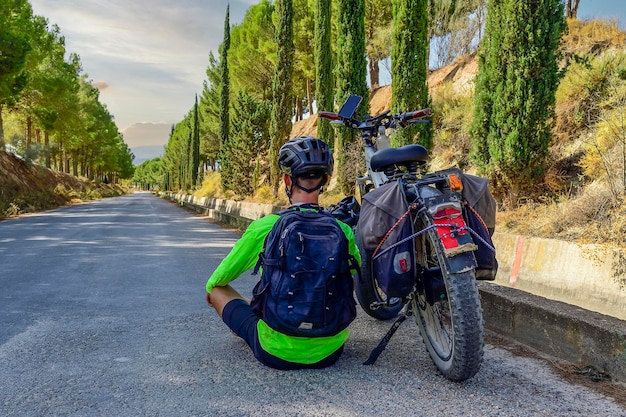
(147,134)
(153,54)
(100,85)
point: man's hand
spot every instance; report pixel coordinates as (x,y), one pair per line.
(208,299)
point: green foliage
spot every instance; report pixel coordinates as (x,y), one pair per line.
(252,53)
(454,27)
(16,29)
(149,175)
(224,90)
(248,144)
(452,119)
(378,19)
(350,70)
(176,157)
(58,105)
(605,149)
(195,146)
(209,114)
(409,68)
(304,61)
(515,91)
(280,125)
(324,88)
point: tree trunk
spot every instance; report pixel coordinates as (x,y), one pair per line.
(309,97)
(374,71)
(29,131)
(46,136)
(75,163)
(298,109)
(571,9)
(2,144)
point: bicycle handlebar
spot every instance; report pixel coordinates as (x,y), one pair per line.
(384,119)
(329,115)
(417,114)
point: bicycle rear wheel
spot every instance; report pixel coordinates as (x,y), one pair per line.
(448,312)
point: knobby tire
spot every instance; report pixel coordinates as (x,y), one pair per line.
(452,327)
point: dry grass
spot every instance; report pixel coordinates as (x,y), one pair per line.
(27,188)
(593,216)
(593,36)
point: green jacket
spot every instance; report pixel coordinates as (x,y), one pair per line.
(244,256)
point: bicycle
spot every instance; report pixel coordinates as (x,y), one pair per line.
(437,268)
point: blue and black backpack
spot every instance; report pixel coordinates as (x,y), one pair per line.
(306,284)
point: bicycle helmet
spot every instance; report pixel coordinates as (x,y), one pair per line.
(301,155)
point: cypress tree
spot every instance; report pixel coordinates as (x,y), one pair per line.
(280,124)
(248,142)
(515,97)
(324,68)
(195,146)
(409,67)
(351,70)
(224,91)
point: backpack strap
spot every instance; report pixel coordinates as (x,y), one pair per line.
(353,265)
(274,262)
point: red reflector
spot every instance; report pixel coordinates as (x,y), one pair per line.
(448,212)
(403,265)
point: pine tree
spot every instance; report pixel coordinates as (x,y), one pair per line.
(15,29)
(515,91)
(280,125)
(409,67)
(351,70)
(224,97)
(324,68)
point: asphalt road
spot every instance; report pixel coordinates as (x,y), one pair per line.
(102,313)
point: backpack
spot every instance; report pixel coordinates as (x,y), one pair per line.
(384,224)
(306,284)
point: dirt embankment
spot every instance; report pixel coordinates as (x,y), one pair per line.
(25,187)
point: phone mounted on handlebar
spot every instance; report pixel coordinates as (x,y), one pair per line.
(348,109)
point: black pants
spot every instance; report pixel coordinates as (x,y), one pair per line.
(238,316)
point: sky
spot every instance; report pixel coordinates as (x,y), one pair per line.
(148,57)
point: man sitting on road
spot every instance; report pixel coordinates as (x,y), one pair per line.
(307,164)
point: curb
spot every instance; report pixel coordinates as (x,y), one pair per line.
(579,336)
(564,331)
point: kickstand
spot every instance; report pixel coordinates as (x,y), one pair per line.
(383,343)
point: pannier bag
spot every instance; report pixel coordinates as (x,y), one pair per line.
(347,210)
(385,219)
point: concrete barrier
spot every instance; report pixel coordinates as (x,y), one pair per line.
(589,276)
(236,214)
(559,269)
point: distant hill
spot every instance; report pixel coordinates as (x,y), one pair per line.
(145,153)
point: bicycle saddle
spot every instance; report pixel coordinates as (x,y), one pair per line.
(398,156)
